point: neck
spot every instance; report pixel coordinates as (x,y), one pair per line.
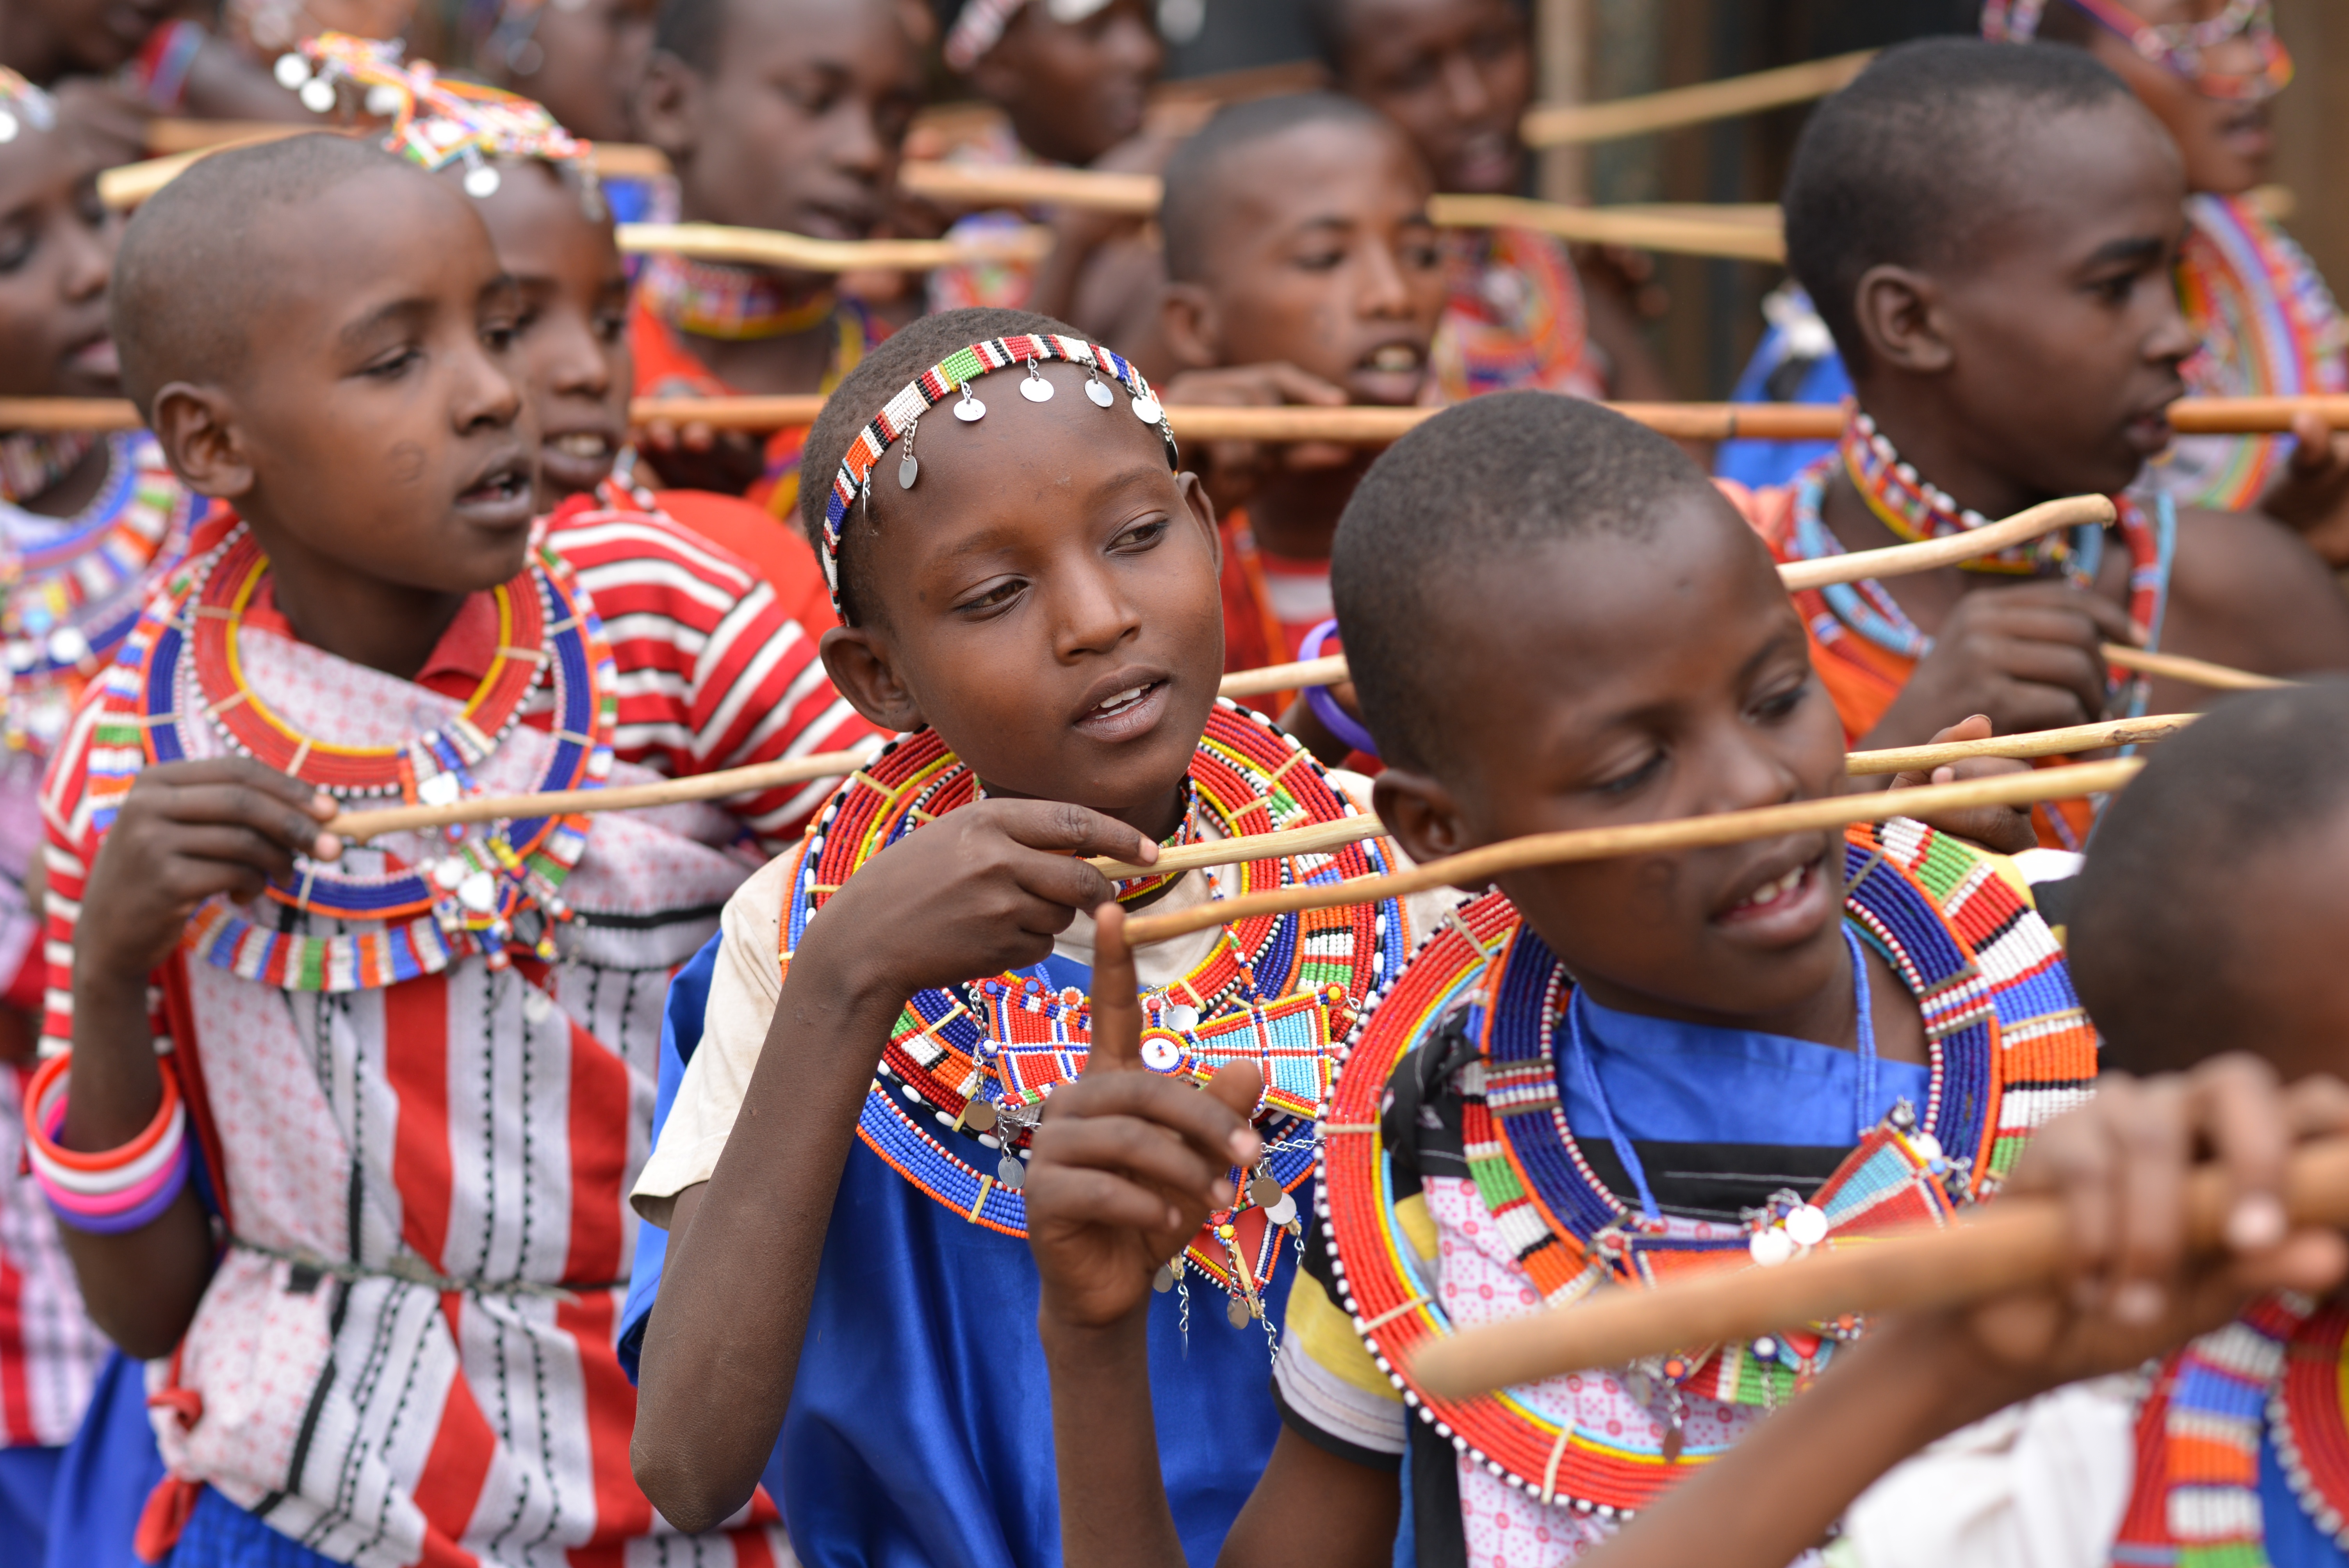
(1295,515)
(1156,820)
(386,627)
(1939,444)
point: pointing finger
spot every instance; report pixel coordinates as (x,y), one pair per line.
(1116,1002)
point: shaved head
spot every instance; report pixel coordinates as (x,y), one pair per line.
(197,259)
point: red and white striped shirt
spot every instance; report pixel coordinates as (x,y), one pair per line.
(407,1353)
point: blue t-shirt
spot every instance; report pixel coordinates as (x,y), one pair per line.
(920,1432)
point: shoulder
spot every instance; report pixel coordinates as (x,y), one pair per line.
(2247,590)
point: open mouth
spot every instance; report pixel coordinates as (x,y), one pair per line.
(1132,711)
(1396,360)
(1123,700)
(1786,907)
(501,495)
(1391,373)
(587,445)
(1770,892)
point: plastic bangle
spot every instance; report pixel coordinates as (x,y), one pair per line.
(117,1189)
(1341,724)
(146,1213)
(50,1083)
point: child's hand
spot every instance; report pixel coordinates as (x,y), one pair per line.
(2001,828)
(1235,469)
(2311,495)
(977,892)
(186,831)
(2133,1288)
(2029,658)
(697,455)
(1127,1164)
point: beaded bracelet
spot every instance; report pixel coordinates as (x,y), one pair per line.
(121,1189)
(1334,718)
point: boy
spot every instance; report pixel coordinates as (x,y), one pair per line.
(1029,595)
(1757,1043)
(1458,75)
(1302,267)
(2199,925)
(431,1283)
(2013,336)
(90,524)
(1072,79)
(776,114)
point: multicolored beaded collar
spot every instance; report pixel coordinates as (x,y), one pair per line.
(967,1067)
(733,304)
(2197,1502)
(1916,509)
(79,583)
(955,373)
(486,890)
(2011,1048)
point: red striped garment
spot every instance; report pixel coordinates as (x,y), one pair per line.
(482,1125)
(50,1351)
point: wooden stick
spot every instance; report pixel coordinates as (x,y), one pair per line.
(2005,1245)
(1645,230)
(1313,839)
(361,826)
(1575,125)
(622,160)
(2193,672)
(762,247)
(1477,867)
(2064,742)
(1012,185)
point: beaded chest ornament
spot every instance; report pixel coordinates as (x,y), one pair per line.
(968,1068)
(2009,1049)
(955,373)
(484,890)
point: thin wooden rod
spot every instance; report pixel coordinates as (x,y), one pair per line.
(361,826)
(2193,672)
(128,184)
(1477,867)
(2003,1246)
(1313,839)
(1734,239)
(1014,185)
(1578,125)
(763,247)
(2066,742)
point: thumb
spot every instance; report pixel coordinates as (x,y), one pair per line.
(1973,727)
(1116,1004)
(1240,1086)
(2312,451)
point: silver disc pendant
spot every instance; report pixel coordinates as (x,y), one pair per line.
(317,95)
(1010,1172)
(481,183)
(970,410)
(908,471)
(1146,409)
(1164,1279)
(1036,389)
(1098,393)
(8,126)
(1237,1311)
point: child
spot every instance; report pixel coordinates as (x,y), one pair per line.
(1458,75)
(1604,1072)
(1028,591)
(2265,324)
(90,522)
(584,59)
(2200,924)
(1300,257)
(2012,336)
(1072,79)
(776,114)
(371,609)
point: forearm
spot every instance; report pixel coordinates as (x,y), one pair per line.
(724,1343)
(1776,1493)
(1113,1508)
(141,1287)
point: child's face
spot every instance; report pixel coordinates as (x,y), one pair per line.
(57,255)
(590,55)
(1073,90)
(571,336)
(2062,328)
(2227,143)
(800,126)
(1456,74)
(374,424)
(1046,562)
(1605,681)
(1333,266)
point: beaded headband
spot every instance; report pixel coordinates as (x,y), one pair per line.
(955,373)
(980,24)
(23,104)
(435,121)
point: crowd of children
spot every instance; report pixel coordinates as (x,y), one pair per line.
(811,1165)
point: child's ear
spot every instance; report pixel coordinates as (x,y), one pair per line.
(862,671)
(199,440)
(668,102)
(1423,816)
(1899,314)
(1192,326)
(1203,512)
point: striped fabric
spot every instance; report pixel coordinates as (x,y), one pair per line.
(49,1353)
(473,1126)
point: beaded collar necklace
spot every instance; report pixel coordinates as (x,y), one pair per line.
(720,300)
(1916,509)
(79,580)
(33,461)
(967,1068)
(902,413)
(1964,945)
(483,891)
(2197,1498)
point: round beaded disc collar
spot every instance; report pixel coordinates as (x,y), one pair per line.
(955,373)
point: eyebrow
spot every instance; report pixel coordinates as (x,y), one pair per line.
(354,333)
(2143,249)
